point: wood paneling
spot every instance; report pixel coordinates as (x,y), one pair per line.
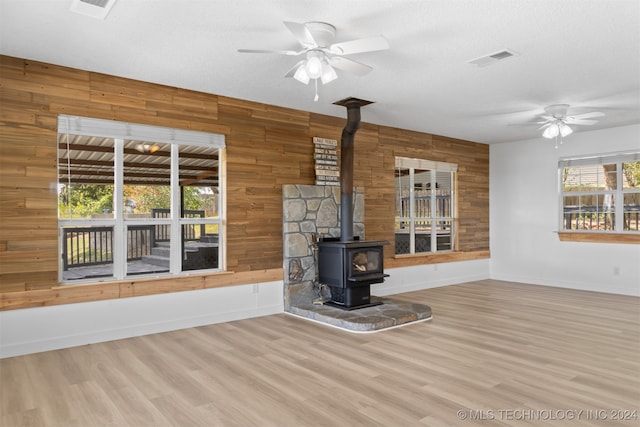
(267,146)
(18,297)
(576,236)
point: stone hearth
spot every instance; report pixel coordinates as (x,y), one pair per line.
(391,313)
(311,212)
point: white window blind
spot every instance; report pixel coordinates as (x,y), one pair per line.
(113,129)
(599,160)
(405,162)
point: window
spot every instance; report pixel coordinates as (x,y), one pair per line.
(424,220)
(600,194)
(137,200)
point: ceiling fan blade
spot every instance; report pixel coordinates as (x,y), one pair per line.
(590,115)
(557,111)
(302,34)
(522,124)
(281,52)
(529,123)
(349,65)
(544,126)
(293,70)
(368,44)
(573,121)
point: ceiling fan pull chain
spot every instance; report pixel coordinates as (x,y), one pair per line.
(315,99)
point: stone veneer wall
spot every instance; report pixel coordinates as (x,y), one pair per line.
(311,212)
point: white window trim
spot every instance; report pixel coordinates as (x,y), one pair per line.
(120,131)
(602,159)
(433,167)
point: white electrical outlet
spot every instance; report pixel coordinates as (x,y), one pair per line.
(254,289)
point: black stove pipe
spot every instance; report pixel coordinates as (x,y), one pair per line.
(346,165)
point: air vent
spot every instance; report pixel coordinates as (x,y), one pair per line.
(492,58)
(94,8)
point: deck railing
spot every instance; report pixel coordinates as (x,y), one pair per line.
(422,206)
(86,246)
(597,218)
(190,232)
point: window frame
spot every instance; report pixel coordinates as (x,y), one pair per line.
(434,167)
(618,234)
(175,138)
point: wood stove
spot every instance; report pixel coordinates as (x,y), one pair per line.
(346,265)
(349,269)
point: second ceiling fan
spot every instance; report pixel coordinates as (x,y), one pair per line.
(556,122)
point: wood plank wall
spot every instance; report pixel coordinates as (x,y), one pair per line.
(267,146)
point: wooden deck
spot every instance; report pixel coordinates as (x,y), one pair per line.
(106,270)
(154,263)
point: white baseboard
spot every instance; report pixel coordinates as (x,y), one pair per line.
(610,287)
(34,330)
(416,278)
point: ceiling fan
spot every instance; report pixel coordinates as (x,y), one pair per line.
(322,56)
(556,121)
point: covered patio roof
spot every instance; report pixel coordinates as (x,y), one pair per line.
(90,160)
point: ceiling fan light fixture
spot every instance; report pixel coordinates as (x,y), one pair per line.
(147,148)
(557,128)
(301,74)
(322,56)
(558,124)
(565,130)
(313,66)
(328,73)
(551,132)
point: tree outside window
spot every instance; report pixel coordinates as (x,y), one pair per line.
(600,194)
(136,200)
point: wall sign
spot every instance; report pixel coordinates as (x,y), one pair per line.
(326,157)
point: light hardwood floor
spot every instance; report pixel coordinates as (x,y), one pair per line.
(495,354)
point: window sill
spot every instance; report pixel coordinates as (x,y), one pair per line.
(67,294)
(407,260)
(599,237)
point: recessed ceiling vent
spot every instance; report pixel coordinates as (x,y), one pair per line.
(492,58)
(94,8)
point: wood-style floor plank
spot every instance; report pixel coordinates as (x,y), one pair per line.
(494,354)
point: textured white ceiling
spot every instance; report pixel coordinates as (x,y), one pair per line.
(585,53)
